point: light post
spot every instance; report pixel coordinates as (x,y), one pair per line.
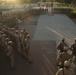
(52,7)
(52,3)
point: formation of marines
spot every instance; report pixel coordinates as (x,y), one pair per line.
(12,39)
(66,61)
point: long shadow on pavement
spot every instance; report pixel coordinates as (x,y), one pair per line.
(41,52)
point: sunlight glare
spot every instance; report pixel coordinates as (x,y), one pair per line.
(12,1)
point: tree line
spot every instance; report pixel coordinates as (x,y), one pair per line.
(35,1)
(67,2)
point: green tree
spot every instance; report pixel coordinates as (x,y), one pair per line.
(34,1)
(29,1)
(61,1)
(44,0)
(67,1)
(74,2)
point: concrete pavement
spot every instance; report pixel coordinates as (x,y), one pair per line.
(43,55)
(55,28)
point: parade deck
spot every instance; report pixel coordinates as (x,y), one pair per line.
(43,55)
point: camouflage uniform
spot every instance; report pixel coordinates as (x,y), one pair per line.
(61,45)
(63,56)
(25,49)
(6,42)
(18,41)
(25,52)
(73,49)
(9,53)
(3,39)
(66,70)
(22,40)
(25,33)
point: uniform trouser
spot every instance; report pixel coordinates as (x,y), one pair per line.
(73,66)
(1,47)
(11,61)
(25,54)
(74,57)
(19,47)
(74,60)
(58,52)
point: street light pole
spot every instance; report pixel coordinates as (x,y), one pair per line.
(52,7)
(52,3)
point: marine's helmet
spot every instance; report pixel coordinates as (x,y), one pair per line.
(67,63)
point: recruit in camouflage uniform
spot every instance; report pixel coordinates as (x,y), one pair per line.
(9,53)
(22,40)
(17,37)
(25,52)
(25,33)
(6,42)
(73,49)
(63,56)
(3,39)
(66,70)
(61,45)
